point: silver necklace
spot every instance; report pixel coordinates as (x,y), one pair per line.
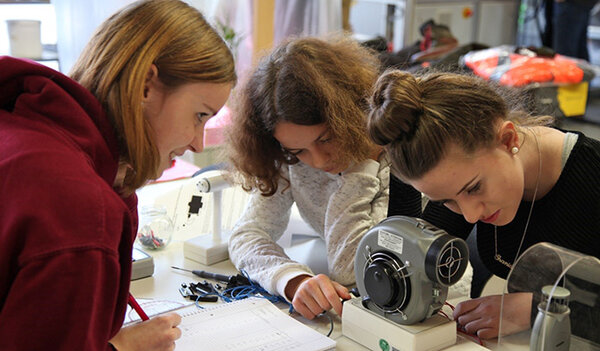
(497,256)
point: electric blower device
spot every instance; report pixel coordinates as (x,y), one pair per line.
(403,269)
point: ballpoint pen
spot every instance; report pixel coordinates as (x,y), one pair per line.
(136,306)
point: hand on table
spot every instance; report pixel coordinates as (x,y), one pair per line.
(156,334)
(312,296)
(481,316)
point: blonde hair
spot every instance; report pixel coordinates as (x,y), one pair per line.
(305,81)
(417,116)
(167,33)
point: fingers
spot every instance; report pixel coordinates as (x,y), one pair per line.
(473,326)
(483,328)
(465,307)
(479,316)
(304,302)
(302,308)
(157,334)
(168,320)
(467,318)
(342,291)
(487,333)
(175,333)
(174,318)
(310,296)
(482,315)
(166,330)
(319,294)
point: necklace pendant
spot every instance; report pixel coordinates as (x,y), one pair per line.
(498,258)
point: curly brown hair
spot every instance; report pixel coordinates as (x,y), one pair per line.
(305,81)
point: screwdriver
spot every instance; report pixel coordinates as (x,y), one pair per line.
(229,279)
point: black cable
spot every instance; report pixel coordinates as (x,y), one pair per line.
(330,322)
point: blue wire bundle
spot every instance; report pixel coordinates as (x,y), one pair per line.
(244,291)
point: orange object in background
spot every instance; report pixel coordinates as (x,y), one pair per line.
(540,69)
(467,12)
(517,70)
(555,85)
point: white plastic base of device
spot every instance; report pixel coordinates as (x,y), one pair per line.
(378,333)
(142,264)
(206,250)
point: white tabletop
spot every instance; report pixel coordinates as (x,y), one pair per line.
(164,283)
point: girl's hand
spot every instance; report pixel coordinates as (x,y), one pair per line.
(312,296)
(156,334)
(481,316)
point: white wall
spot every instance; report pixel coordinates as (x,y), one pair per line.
(76,21)
(40,12)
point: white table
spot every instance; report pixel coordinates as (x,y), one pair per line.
(164,283)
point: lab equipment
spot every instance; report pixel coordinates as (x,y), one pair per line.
(565,306)
(142,264)
(403,269)
(210,249)
(552,327)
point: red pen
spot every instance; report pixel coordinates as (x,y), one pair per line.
(136,306)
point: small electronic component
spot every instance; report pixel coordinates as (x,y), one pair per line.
(194,205)
(142,264)
(198,292)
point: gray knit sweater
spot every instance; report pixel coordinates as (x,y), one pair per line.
(340,208)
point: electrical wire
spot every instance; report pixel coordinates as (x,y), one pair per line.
(244,291)
(325,314)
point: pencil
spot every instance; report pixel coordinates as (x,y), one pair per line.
(138,309)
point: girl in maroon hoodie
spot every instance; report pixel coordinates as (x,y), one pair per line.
(72,153)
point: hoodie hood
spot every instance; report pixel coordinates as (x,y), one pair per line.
(34,91)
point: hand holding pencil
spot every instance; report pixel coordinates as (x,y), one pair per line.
(156,334)
(137,308)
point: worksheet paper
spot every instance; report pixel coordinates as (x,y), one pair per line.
(249,324)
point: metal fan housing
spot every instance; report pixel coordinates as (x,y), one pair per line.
(404,267)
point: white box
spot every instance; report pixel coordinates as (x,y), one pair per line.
(142,264)
(376,332)
(206,250)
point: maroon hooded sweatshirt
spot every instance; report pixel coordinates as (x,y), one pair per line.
(65,233)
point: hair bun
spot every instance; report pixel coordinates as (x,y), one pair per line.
(396,105)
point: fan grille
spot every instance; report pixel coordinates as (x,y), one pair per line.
(447,260)
(387,282)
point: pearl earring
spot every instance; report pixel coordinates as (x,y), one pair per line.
(514,150)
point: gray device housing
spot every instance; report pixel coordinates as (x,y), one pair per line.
(404,266)
(552,327)
(142,264)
